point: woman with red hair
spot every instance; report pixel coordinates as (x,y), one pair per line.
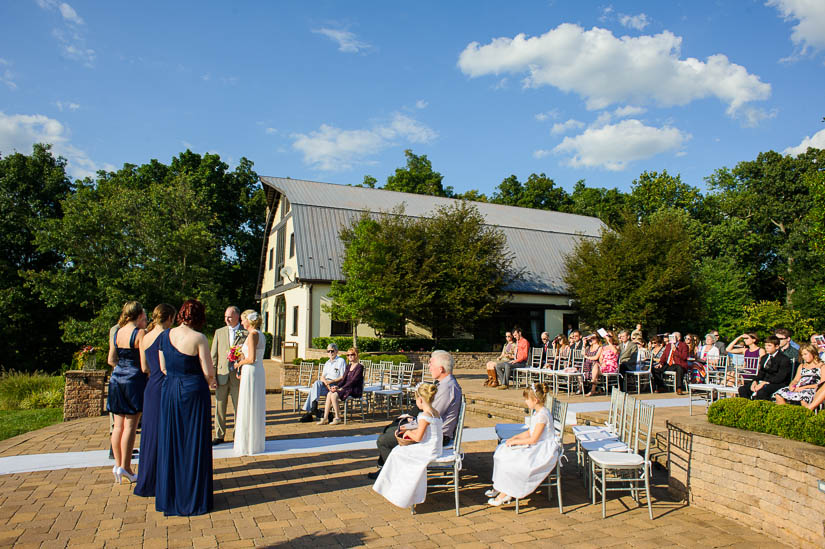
(184,462)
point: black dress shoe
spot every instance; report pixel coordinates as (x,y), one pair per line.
(216,441)
(374,474)
(307,417)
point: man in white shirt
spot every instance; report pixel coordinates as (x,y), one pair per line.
(332,374)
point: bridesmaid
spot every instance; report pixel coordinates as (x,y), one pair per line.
(162,318)
(126,386)
(184,465)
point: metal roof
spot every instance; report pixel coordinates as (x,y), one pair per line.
(539,239)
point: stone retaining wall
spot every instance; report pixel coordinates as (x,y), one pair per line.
(83,396)
(767,482)
(463,361)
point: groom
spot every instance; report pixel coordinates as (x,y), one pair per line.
(228,384)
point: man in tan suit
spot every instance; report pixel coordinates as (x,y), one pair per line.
(228,384)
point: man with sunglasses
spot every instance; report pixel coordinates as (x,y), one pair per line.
(785,347)
(331,375)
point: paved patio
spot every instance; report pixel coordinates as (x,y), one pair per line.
(325,500)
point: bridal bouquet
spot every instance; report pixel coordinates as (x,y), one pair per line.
(235,354)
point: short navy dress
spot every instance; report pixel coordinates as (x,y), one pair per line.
(184,456)
(128,382)
(149,423)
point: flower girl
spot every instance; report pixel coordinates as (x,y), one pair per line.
(523,461)
(403,479)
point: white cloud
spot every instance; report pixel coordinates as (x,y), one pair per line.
(347,41)
(271,131)
(605,70)
(334,149)
(547,115)
(69,14)
(817,142)
(6,76)
(72,37)
(541,153)
(18,132)
(637,22)
(68,106)
(563,127)
(613,147)
(809,32)
(622,112)
(753,116)
(421,104)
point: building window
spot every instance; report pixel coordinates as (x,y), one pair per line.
(295,321)
(280,238)
(284,208)
(340,328)
(271,250)
(266,322)
(292,245)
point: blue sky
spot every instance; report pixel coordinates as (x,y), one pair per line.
(332,91)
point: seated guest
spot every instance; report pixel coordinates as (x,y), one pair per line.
(447,403)
(718,342)
(673,359)
(546,347)
(751,351)
(628,354)
(592,350)
(817,342)
(608,362)
(696,367)
(562,350)
(352,385)
(784,337)
(332,374)
(807,379)
(576,343)
(503,370)
(774,373)
(817,400)
(403,479)
(522,462)
(508,353)
(656,345)
(709,349)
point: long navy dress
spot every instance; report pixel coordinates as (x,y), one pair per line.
(128,382)
(184,455)
(149,423)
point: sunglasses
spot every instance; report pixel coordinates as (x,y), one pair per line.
(350,355)
(331,350)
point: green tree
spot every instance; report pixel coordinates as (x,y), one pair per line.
(723,292)
(417,177)
(539,192)
(653,191)
(641,272)
(445,272)
(609,205)
(31,188)
(764,317)
(154,233)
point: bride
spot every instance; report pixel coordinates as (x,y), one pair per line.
(250,417)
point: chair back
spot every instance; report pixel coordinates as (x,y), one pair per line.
(558,411)
(563,360)
(375,376)
(459,426)
(305,372)
(643,357)
(625,430)
(749,368)
(616,403)
(535,357)
(366,363)
(717,368)
(405,378)
(644,428)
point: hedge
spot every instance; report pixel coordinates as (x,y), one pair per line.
(395,359)
(763,416)
(401,344)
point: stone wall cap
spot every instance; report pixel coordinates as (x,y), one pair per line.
(802,451)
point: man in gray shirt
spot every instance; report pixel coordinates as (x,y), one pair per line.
(447,402)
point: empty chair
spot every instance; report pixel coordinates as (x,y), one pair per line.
(305,373)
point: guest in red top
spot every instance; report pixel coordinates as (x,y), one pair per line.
(522,350)
(674,359)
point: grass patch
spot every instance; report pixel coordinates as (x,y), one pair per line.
(23,390)
(17,422)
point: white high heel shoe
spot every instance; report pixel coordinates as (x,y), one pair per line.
(114,472)
(121,472)
(499,502)
(491,493)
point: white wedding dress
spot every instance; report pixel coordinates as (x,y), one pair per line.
(403,478)
(250,417)
(518,470)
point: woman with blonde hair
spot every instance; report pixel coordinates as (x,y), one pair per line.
(351,386)
(523,461)
(403,478)
(126,387)
(807,380)
(250,418)
(162,318)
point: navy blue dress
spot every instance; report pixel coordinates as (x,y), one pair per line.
(128,382)
(149,423)
(184,455)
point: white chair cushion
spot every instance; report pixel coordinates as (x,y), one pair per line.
(607,445)
(701,386)
(294,387)
(616,459)
(586,428)
(447,456)
(508,430)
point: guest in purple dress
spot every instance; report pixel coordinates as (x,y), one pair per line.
(352,385)
(162,318)
(752,352)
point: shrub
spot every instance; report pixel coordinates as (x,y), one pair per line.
(815,429)
(787,421)
(269,339)
(48,398)
(726,411)
(395,344)
(376,358)
(15,387)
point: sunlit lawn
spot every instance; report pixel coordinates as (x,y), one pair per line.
(17,422)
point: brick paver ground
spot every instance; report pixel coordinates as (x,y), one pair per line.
(326,500)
